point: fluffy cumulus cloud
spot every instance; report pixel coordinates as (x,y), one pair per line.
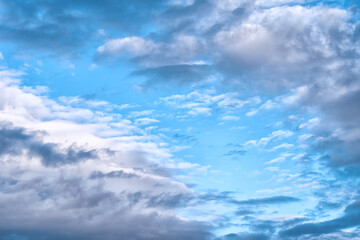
(55,185)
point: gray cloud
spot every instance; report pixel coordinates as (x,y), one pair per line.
(246,236)
(182,75)
(266,50)
(66,26)
(15,141)
(269,200)
(243,212)
(184,138)
(113,174)
(351,218)
(228,198)
(67,201)
(235,152)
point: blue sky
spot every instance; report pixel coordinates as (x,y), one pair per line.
(179,119)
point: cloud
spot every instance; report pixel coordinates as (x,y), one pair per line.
(14,141)
(230,118)
(181,50)
(65,27)
(135,114)
(181,74)
(113,174)
(200,111)
(307,51)
(184,138)
(235,152)
(228,198)
(283,145)
(109,185)
(205,102)
(132,45)
(276,135)
(246,236)
(267,44)
(244,212)
(145,121)
(269,200)
(349,219)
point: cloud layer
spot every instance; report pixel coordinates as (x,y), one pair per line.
(76,167)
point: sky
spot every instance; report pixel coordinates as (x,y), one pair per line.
(179,119)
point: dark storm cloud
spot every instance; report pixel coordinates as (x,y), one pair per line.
(16,141)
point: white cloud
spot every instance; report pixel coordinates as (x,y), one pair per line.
(283,145)
(276,160)
(135,114)
(93,66)
(310,124)
(273,169)
(145,121)
(103,185)
(181,2)
(252,112)
(276,190)
(272,3)
(200,111)
(230,118)
(136,46)
(298,156)
(281,158)
(276,135)
(181,50)
(203,103)
(264,39)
